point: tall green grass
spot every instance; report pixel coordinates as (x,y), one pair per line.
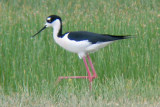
(128,70)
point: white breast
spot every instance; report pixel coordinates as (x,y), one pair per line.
(71,45)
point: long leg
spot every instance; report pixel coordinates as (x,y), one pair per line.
(89,77)
(87,68)
(89,73)
(78,77)
(92,67)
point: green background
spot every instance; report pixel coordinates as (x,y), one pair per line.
(128,70)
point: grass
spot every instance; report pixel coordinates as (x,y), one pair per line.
(128,71)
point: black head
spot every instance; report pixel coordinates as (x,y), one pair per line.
(52,18)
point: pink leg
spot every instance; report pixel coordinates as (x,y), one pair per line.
(78,77)
(83,77)
(92,67)
(89,74)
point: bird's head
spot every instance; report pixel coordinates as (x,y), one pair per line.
(51,21)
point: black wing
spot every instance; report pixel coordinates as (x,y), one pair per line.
(93,37)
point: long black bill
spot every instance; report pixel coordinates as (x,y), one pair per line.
(39,31)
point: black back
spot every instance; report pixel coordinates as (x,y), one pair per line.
(93,37)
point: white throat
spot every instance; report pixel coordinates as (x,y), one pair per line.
(56,27)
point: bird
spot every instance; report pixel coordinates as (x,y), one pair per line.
(81,42)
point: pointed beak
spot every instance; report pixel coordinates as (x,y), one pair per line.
(39,31)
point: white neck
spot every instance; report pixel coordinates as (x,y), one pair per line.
(56,27)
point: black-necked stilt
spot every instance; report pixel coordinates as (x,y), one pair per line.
(80,42)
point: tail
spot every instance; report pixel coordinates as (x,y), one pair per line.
(117,37)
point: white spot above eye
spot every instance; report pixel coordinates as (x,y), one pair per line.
(49,18)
